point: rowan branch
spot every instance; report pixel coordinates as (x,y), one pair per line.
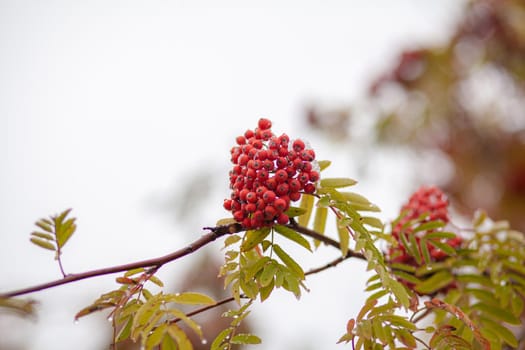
(205,239)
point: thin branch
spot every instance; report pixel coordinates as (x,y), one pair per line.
(215,233)
(325,239)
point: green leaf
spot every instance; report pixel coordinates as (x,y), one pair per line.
(220,338)
(405,337)
(253,238)
(307,203)
(293,236)
(400,292)
(155,338)
(430,225)
(267,289)
(243,338)
(44,226)
(231,240)
(337,182)
(398,321)
(344,237)
(134,272)
(255,267)
(125,331)
(372,221)
(190,298)
(288,261)
(168,343)
(323,164)
(444,247)
(320,219)
(268,273)
(435,282)
(295,211)
(42,235)
(65,231)
(191,323)
(225,222)
(180,337)
(503,333)
(157,281)
(496,312)
(43,243)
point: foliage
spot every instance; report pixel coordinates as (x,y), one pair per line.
(435,286)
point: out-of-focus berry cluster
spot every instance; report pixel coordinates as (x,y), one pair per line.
(427,200)
(268,173)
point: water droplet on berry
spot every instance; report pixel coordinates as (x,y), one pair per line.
(204,341)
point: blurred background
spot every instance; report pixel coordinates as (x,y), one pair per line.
(126,111)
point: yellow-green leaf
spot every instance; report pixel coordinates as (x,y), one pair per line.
(191,323)
(220,338)
(337,182)
(320,219)
(293,236)
(43,235)
(435,282)
(180,337)
(288,261)
(243,338)
(254,237)
(295,211)
(307,203)
(156,336)
(225,221)
(323,164)
(190,298)
(43,243)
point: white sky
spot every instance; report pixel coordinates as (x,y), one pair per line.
(106,104)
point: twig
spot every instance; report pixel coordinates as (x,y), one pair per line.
(215,233)
(325,239)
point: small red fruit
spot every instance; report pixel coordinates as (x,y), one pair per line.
(264,124)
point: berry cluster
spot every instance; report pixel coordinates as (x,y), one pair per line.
(427,200)
(268,173)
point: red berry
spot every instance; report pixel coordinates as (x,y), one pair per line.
(314,175)
(303,178)
(283,219)
(283,140)
(269,196)
(298,145)
(264,124)
(282,189)
(251,197)
(250,207)
(249,134)
(262,154)
(309,188)
(281,175)
(243,193)
(280,204)
(241,140)
(295,196)
(238,216)
(262,174)
(281,162)
(269,212)
(271,183)
(295,185)
(227,204)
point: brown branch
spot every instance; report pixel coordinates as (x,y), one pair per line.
(325,239)
(215,233)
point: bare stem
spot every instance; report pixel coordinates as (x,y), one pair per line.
(215,233)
